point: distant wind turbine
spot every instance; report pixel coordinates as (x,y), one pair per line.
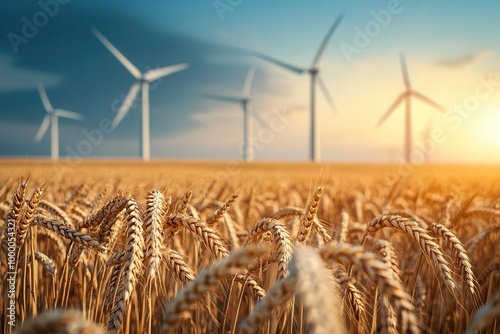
(143,79)
(406,97)
(51,119)
(314,73)
(426,136)
(246,104)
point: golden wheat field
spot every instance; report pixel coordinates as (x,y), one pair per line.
(192,247)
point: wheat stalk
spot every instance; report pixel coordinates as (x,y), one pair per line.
(29,214)
(207,235)
(56,212)
(179,307)
(69,233)
(132,268)
(281,239)
(317,292)
(308,219)
(177,265)
(378,272)
(48,263)
(153,232)
(222,210)
(487,313)
(279,294)
(183,203)
(459,253)
(431,249)
(355,299)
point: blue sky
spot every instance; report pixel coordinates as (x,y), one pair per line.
(450,47)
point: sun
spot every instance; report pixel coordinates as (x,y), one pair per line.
(489,130)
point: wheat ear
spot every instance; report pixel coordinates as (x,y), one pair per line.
(485,314)
(29,214)
(208,236)
(194,290)
(69,233)
(177,265)
(56,212)
(222,210)
(153,232)
(430,249)
(317,292)
(281,239)
(378,272)
(308,219)
(460,254)
(131,269)
(47,263)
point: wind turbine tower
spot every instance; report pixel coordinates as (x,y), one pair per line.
(314,151)
(246,104)
(406,96)
(143,81)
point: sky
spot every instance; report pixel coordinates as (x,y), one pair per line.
(451,50)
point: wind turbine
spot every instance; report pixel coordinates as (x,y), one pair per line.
(246,104)
(406,97)
(143,81)
(315,77)
(51,119)
(426,136)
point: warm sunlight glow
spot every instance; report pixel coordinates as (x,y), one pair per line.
(490,128)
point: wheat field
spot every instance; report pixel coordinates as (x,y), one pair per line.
(184,247)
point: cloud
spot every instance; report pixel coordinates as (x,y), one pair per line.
(22,79)
(462,61)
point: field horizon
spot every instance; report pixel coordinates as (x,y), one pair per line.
(232,167)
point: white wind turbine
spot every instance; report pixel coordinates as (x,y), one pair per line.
(51,119)
(246,104)
(314,73)
(143,79)
(406,97)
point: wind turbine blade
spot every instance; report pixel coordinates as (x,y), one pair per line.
(158,73)
(406,77)
(125,62)
(325,41)
(68,114)
(43,128)
(44,97)
(284,65)
(428,101)
(248,82)
(391,109)
(327,93)
(127,103)
(222,98)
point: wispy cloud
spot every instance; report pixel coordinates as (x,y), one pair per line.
(465,60)
(21,78)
